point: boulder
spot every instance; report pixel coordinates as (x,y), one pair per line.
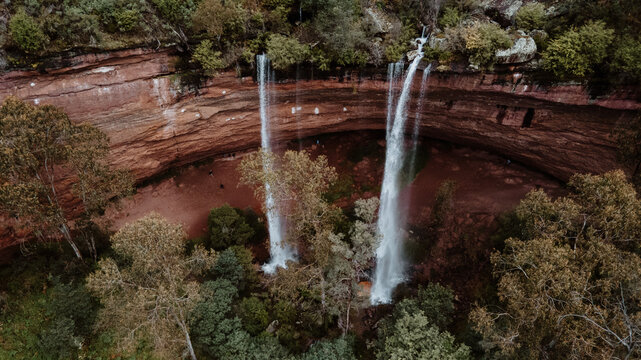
(523,50)
(377,22)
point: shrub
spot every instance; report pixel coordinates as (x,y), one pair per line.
(482,40)
(253,314)
(627,57)
(576,52)
(208,59)
(26,32)
(221,18)
(227,227)
(175,11)
(531,16)
(227,267)
(450,17)
(127,19)
(286,51)
(395,51)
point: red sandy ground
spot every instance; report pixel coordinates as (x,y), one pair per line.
(486,183)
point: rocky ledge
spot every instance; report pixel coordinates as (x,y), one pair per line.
(135,97)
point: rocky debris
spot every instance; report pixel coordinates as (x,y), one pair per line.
(523,50)
(503,11)
(377,22)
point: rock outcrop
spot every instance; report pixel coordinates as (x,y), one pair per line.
(135,97)
(523,50)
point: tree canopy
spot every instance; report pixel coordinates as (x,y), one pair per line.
(568,284)
(39,150)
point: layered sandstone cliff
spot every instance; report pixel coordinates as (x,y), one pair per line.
(135,97)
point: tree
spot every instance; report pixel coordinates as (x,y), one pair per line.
(148,291)
(411,336)
(286,51)
(39,149)
(208,59)
(253,314)
(227,227)
(349,263)
(330,349)
(227,267)
(325,281)
(435,301)
(569,283)
(215,332)
(575,53)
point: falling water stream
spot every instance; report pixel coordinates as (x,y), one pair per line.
(417,118)
(280,253)
(390,265)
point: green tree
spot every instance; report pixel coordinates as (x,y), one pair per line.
(148,294)
(435,301)
(219,18)
(530,16)
(349,262)
(216,333)
(253,314)
(330,349)
(411,336)
(26,32)
(567,285)
(285,51)
(39,147)
(208,59)
(576,52)
(227,227)
(228,267)
(626,57)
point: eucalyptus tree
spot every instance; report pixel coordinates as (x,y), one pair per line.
(149,289)
(41,153)
(325,280)
(570,283)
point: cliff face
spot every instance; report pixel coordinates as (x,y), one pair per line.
(133,96)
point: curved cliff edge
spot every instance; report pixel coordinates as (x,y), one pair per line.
(133,96)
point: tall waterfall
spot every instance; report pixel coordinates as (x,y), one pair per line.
(417,118)
(280,253)
(390,266)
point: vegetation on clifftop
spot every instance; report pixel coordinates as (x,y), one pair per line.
(575,38)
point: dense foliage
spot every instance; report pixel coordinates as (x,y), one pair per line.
(39,147)
(569,282)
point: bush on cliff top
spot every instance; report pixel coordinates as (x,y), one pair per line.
(578,51)
(26,32)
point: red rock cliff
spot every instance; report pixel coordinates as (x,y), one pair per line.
(132,96)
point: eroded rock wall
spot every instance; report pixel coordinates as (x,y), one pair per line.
(135,98)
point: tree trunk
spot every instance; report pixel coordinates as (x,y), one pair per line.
(346,329)
(183,327)
(65,232)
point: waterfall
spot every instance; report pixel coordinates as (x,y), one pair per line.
(278,251)
(417,118)
(394,71)
(389,263)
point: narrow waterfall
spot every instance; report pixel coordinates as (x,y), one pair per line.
(417,118)
(394,71)
(389,262)
(279,252)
